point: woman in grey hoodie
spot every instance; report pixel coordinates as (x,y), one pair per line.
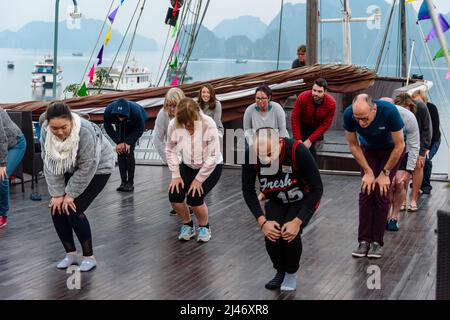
(12,150)
(78,161)
(211,106)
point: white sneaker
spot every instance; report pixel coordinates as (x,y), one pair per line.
(69,259)
(204,234)
(88,263)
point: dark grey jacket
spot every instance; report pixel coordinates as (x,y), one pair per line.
(425,127)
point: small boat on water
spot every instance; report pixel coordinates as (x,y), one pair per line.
(10,64)
(132,77)
(77,54)
(43,73)
(241,61)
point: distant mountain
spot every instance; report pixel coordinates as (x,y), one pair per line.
(208,45)
(251,27)
(39,35)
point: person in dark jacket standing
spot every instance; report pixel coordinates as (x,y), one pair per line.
(289,179)
(129,120)
(435,140)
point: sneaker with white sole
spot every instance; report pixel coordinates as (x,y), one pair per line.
(186,232)
(204,234)
(361,250)
(375,251)
(88,263)
(69,259)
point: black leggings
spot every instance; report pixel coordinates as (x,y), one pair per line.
(188,175)
(126,166)
(285,256)
(77,221)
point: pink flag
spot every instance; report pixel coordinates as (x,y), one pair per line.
(91,74)
(448,75)
(175,49)
(174,81)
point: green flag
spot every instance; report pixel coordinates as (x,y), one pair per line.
(440,54)
(83,91)
(174,64)
(174,30)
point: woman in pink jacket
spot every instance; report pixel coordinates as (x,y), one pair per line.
(194,135)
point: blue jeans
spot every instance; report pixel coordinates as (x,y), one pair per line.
(13,159)
(428,167)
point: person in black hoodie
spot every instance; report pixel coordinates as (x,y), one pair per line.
(129,120)
(290,181)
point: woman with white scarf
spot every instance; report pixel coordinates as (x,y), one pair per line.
(78,161)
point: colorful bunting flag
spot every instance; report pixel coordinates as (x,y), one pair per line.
(112,16)
(100,56)
(108,36)
(121,2)
(174,64)
(82,92)
(410,1)
(175,30)
(91,74)
(174,81)
(424,14)
(448,75)
(440,54)
(175,9)
(444,27)
(175,49)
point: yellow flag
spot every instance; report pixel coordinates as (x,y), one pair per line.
(410,1)
(108,36)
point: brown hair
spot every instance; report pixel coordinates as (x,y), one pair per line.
(187,111)
(301,48)
(173,95)
(58,109)
(212,100)
(422,94)
(406,101)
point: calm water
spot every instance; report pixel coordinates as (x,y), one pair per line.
(15,84)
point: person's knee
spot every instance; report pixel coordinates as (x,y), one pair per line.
(194,201)
(176,197)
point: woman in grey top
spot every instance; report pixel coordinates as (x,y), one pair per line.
(265,114)
(165,114)
(78,161)
(211,106)
(12,150)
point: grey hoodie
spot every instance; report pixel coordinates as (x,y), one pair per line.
(9,132)
(159,135)
(95,156)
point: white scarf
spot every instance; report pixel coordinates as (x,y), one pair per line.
(60,155)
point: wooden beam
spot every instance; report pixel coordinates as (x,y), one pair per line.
(312,23)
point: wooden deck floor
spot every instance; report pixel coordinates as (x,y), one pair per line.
(139,257)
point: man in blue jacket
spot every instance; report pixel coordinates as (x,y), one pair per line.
(129,120)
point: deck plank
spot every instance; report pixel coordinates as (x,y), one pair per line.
(139,257)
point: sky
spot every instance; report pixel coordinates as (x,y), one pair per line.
(16,13)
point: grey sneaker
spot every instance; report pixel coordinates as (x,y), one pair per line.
(362,249)
(375,251)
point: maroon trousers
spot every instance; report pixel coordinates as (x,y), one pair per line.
(374,208)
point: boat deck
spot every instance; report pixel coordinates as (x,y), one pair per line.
(139,257)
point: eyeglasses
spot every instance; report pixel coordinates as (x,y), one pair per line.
(361,119)
(261,99)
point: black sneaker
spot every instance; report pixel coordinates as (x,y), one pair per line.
(362,249)
(426,190)
(128,187)
(276,282)
(375,251)
(121,187)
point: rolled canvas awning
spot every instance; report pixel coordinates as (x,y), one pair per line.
(235,93)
